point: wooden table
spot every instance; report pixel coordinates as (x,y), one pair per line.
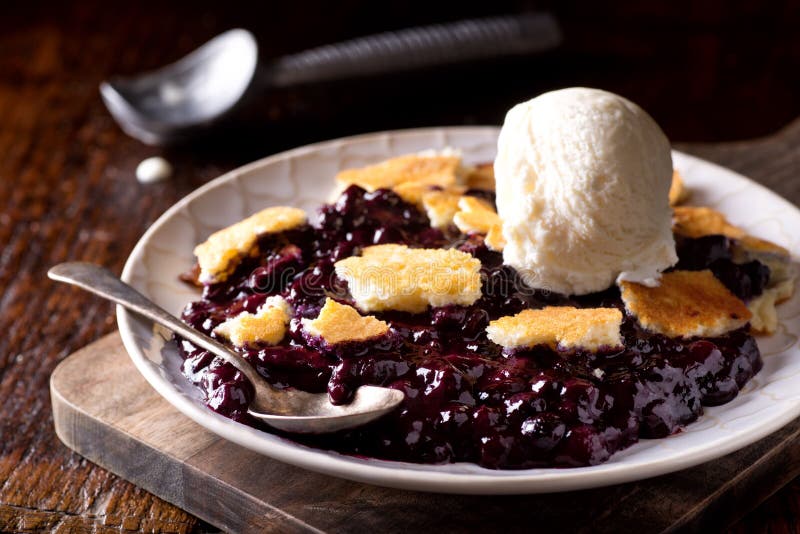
(68,193)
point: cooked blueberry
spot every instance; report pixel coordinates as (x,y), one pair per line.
(544,430)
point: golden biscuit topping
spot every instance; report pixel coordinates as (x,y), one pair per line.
(765,316)
(780,286)
(685,304)
(395,277)
(693,222)
(428,168)
(678,192)
(267,325)
(219,255)
(412,192)
(339,323)
(761,247)
(481,177)
(475,215)
(494,238)
(440,206)
(701,221)
(562,327)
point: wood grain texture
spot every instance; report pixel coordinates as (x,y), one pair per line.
(108,413)
(67,187)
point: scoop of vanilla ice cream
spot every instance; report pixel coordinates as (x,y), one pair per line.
(583,180)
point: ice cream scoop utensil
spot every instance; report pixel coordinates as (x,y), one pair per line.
(179,100)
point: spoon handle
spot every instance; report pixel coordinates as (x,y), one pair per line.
(427,46)
(102,282)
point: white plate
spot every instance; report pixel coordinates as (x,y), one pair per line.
(304,177)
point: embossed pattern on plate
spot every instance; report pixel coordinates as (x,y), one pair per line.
(304,177)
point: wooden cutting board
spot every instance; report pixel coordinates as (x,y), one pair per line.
(106,411)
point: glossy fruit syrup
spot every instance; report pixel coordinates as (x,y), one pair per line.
(465,398)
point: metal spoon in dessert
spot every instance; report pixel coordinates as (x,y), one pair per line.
(290,410)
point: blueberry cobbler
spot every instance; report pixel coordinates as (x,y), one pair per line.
(401,282)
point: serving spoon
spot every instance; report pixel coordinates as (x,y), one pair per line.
(181,99)
(290,410)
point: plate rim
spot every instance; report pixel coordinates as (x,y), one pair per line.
(403,475)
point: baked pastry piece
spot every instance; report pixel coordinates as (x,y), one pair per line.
(431,168)
(469,214)
(494,238)
(685,304)
(440,206)
(699,222)
(219,255)
(475,215)
(678,192)
(559,327)
(779,288)
(399,278)
(480,177)
(266,326)
(415,192)
(339,323)
(694,222)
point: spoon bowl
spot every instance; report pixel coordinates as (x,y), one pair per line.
(285,409)
(165,104)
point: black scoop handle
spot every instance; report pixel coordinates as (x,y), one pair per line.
(427,46)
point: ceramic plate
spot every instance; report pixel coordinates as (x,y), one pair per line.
(304,177)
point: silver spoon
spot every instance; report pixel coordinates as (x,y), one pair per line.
(289,410)
(179,100)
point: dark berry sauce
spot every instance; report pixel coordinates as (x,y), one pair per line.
(466,398)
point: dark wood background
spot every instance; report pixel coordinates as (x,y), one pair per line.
(707,71)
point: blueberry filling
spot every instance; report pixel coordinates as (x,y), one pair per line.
(466,398)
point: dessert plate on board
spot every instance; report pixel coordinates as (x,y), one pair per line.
(303,177)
